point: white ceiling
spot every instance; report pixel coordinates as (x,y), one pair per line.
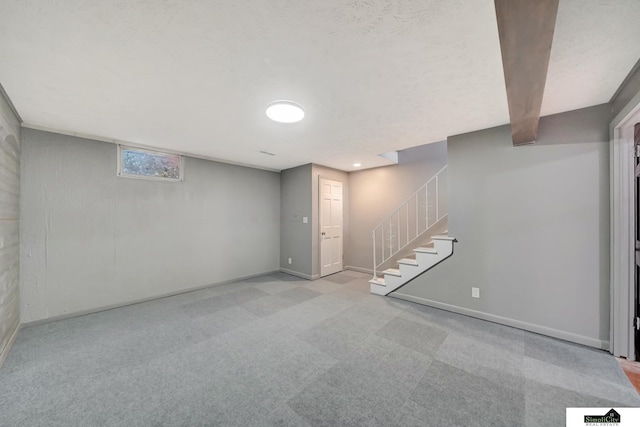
(195,76)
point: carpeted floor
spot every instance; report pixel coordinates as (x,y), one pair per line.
(277,350)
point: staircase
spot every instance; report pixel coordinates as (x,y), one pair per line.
(425,258)
(422,214)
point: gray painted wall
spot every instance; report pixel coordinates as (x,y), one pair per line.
(377,192)
(533,229)
(318,172)
(92,240)
(9,226)
(301,241)
(295,235)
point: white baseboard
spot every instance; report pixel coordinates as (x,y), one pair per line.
(531,327)
(298,274)
(5,351)
(359,269)
(138,301)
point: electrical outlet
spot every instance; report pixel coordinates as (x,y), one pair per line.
(290,261)
(305,220)
(475,292)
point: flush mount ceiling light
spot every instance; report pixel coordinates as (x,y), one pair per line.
(357,165)
(285,112)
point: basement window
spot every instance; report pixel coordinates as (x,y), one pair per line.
(148,164)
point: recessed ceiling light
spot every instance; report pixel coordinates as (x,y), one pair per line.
(285,111)
(357,165)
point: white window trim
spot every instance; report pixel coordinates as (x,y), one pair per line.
(122,174)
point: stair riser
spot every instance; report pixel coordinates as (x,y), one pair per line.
(378,290)
(442,245)
(429,259)
(408,272)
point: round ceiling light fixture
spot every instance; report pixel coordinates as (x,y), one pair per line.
(285,111)
(357,165)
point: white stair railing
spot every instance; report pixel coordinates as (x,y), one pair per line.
(415,216)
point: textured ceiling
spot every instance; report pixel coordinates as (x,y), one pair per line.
(373,75)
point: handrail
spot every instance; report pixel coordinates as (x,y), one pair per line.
(411,197)
(387,221)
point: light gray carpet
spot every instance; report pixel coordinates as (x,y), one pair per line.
(276,350)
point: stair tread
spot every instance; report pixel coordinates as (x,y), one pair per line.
(393,272)
(426,250)
(392,277)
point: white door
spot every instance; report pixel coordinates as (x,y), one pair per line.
(330,226)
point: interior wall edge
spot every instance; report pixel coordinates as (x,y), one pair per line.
(10,155)
(625,112)
(626,91)
(518,324)
(7,99)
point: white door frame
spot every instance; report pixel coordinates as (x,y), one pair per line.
(622,281)
(320,239)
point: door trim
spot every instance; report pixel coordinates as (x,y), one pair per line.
(319,231)
(622,267)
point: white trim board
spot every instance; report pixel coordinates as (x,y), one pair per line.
(622,270)
(7,348)
(138,301)
(298,274)
(359,269)
(543,330)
